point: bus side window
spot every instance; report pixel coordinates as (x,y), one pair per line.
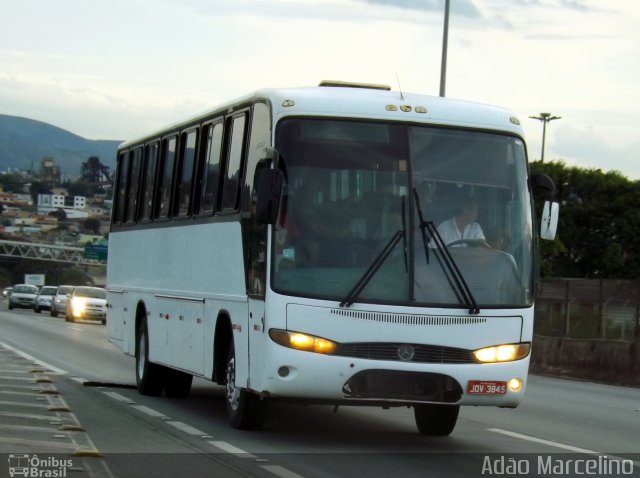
(121,199)
(210,170)
(232,183)
(135,160)
(166,175)
(148,181)
(184,172)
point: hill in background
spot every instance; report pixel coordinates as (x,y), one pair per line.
(24,142)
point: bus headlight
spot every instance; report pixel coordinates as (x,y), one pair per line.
(502,353)
(301,341)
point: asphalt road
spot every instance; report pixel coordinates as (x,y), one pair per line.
(559,421)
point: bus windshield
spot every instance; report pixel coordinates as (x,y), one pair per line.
(436,198)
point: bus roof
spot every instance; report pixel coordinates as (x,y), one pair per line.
(362,102)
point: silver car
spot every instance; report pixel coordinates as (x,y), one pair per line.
(59,302)
(23,295)
(45,298)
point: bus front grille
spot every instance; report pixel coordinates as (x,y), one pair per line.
(401,385)
(397,352)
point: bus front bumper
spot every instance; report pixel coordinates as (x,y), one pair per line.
(313,377)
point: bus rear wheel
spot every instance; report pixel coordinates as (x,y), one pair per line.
(436,420)
(245,410)
(149,376)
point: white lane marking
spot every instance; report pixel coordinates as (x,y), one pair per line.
(120,398)
(34,360)
(80,380)
(544,442)
(227,447)
(561,445)
(280,471)
(187,428)
(149,411)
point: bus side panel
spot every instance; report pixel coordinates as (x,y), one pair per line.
(181,309)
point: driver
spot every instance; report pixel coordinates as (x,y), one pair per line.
(463,225)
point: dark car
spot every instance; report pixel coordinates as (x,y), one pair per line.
(45,298)
(59,302)
(23,295)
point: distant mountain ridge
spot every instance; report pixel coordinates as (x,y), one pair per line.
(24,142)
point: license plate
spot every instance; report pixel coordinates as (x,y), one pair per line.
(483,387)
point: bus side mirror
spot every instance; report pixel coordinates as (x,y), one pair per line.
(268,197)
(549,221)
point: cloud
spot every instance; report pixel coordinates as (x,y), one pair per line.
(465,8)
(587,147)
(574,5)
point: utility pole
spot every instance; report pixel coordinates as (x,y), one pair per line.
(445,40)
(545,118)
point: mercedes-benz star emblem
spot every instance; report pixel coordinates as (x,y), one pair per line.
(406,352)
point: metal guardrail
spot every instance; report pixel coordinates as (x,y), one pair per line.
(47,252)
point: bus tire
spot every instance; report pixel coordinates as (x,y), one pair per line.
(177,384)
(436,420)
(149,376)
(245,410)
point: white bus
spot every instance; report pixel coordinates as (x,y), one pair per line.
(286,245)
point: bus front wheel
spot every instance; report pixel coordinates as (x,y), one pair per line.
(245,410)
(148,375)
(436,420)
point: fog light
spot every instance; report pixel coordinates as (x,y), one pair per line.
(283,371)
(515,384)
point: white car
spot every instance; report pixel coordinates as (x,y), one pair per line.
(87,303)
(23,295)
(59,303)
(45,298)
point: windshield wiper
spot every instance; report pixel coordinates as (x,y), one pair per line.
(352,296)
(454,277)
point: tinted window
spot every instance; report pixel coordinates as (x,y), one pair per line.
(232,177)
(92,292)
(168,159)
(123,168)
(148,180)
(135,160)
(210,173)
(48,290)
(187,160)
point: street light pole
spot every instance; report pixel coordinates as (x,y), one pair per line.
(545,118)
(445,40)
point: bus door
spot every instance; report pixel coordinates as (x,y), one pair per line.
(257,339)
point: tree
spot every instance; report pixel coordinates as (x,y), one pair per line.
(599,220)
(12,182)
(39,187)
(92,225)
(78,188)
(60,214)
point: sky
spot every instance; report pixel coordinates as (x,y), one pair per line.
(122,68)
